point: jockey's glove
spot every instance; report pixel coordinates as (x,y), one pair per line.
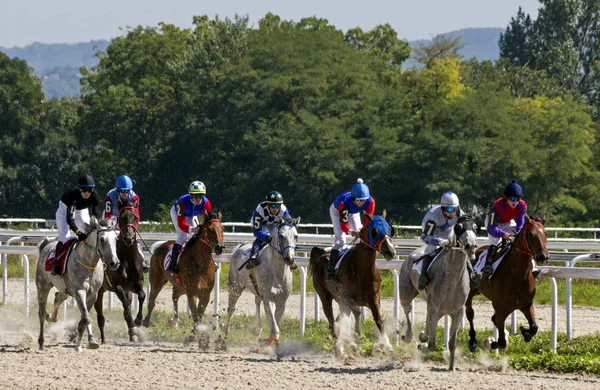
(443,242)
(354,233)
(81,236)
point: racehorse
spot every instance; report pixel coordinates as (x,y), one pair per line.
(512,285)
(196,276)
(448,287)
(359,276)
(82,279)
(270,281)
(129,277)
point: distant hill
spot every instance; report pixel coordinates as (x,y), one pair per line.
(481,43)
(58,63)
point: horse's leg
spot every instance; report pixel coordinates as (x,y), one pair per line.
(456,320)
(406,298)
(499,318)
(43,291)
(356,313)
(258,322)
(431,325)
(270,314)
(154,291)
(279,310)
(470,316)
(193,305)
(59,298)
(126,302)
(375,306)
(173,322)
(141,298)
(235,291)
(91,300)
(81,299)
(327,303)
(98,305)
(529,313)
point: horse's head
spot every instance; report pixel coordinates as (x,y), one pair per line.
(466,231)
(212,231)
(532,239)
(378,235)
(102,236)
(128,223)
(285,238)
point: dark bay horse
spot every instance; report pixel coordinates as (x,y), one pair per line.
(129,277)
(359,276)
(448,288)
(196,270)
(512,286)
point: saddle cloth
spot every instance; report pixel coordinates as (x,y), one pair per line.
(343,252)
(63,255)
(480,262)
(418,264)
(169,255)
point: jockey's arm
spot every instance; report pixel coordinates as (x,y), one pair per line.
(181,218)
(71,217)
(258,229)
(520,219)
(207,206)
(370,209)
(108,207)
(492,227)
(135,202)
(344,214)
(96,205)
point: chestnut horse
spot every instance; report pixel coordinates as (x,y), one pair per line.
(197,269)
(129,277)
(512,285)
(359,276)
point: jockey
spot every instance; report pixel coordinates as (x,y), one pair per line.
(264,219)
(121,195)
(182,214)
(505,219)
(437,226)
(73,212)
(345,217)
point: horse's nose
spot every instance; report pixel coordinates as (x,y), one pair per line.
(542,258)
(218,249)
(113,264)
(128,241)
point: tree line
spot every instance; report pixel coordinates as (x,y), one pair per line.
(304,108)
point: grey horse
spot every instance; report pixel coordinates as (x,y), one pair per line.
(448,288)
(270,281)
(83,277)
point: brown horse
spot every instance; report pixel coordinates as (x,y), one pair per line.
(129,277)
(512,286)
(197,269)
(359,276)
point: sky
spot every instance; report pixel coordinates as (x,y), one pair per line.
(23,22)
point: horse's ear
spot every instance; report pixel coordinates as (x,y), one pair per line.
(478,229)
(296,221)
(392,231)
(544,219)
(219,215)
(384,214)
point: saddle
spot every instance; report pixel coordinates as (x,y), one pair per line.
(62,256)
(343,252)
(167,260)
(418,263)
(496,260)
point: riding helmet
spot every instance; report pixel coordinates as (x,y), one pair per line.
(197,188)
(86,181)
(274,197)
(124,183)
(449,199)
(513,189)
(360,191)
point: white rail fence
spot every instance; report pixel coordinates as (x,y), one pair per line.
(569,272)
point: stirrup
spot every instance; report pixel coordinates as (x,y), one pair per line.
(487,271)
(251,263)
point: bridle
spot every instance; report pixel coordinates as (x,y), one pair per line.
(203,234)
(132,225)
(523,233)
(280,248)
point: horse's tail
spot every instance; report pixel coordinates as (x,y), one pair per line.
(315,255)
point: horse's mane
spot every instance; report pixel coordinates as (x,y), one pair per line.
(104,222)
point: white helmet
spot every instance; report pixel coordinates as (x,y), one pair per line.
(449,199)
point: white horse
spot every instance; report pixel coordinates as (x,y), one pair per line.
(83,276)
(270,281)
(449,285)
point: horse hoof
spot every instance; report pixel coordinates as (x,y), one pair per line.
(78,349)
(138,323)
(494,345)
(423,337)
(172,323)
(133,338)
(423,347)
(406,339)
(473,347)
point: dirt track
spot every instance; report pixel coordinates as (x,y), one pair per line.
(154,364)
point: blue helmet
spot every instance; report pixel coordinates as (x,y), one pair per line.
(274,197)
(124,183)
(513,189)
(360,191)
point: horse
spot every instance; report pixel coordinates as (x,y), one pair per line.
(270,281)
(359,276)
(448,288)
(128,278)
(512,285)
(197,269)
(82,279)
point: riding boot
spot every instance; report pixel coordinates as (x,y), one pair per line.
(57,266)
(331,272)
(424,279)
(488,270)
(172,267)
(474,277)
(253,260)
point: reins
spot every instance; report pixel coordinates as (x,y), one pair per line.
(280,248)
(528,252)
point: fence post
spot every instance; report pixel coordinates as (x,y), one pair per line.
(302,299)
